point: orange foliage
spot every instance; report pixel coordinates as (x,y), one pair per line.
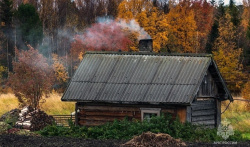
(182,29)
(246,14)
(246,91)
(150,18)
(129,9)
(155,24)
(204,20)
(227,55)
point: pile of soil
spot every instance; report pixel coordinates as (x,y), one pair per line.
(149,139)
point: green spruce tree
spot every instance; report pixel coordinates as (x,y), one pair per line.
(30,29)
(234,12)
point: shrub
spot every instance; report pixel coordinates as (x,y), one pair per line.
(11,117)
(127,129)
(4,128)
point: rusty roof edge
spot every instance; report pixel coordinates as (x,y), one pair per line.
(200,80)
(151,53)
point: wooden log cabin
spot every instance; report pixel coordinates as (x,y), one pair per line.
(138,85)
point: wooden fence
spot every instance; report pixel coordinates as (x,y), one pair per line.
(63,120)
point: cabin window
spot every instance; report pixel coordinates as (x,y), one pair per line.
(148,113)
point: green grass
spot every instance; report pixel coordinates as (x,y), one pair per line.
(52,106)
(246,136)
(238,115)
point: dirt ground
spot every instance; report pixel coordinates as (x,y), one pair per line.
(34,141)
(11,140)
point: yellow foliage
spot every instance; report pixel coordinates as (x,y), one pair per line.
(182,30)
(150,18)
(80,56)
(155,24)
(129,9)
(123,12)
(2,69)
(229,65)
(60,71)
(227,55)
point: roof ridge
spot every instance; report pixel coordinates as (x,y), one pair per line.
(151,53)
(135,83)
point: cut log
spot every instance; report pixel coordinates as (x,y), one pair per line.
(33,120)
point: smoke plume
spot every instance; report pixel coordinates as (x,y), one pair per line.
(132,25)
(109,34)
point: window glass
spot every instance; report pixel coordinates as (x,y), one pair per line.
(148,116)
(148,113)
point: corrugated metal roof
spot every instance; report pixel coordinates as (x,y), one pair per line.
(143,78)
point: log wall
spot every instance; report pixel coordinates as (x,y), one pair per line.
(98,114)
(208,87)
(204,112)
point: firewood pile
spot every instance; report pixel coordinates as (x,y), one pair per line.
(149,139)
(33,120)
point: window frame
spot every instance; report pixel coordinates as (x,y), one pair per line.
(156,111)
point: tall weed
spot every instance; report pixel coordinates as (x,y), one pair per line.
(52,104)
(237,114)
(7,103)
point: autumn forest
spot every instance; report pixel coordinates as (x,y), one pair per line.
(43,41)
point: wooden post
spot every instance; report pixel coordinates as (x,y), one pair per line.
(76,114)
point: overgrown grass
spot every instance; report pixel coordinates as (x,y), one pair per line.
(7,103)
(52,106)
(127,129)
(238,115)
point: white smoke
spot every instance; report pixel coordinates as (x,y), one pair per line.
(131,25)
